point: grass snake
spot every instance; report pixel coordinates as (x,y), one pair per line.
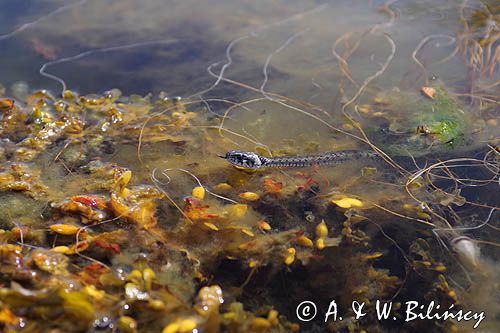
(251,160)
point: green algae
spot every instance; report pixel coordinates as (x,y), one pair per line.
(443,116)
(421,125)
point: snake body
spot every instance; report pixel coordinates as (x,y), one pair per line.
(250,160)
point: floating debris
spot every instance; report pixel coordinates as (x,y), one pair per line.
(428,92)
(467,251)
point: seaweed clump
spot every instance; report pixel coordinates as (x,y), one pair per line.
(111,250)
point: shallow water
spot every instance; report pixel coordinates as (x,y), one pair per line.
(416,80)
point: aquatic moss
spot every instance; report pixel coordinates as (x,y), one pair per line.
(410,122)
(443,116)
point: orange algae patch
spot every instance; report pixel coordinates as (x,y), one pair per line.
(7,317)
(85,206)
(142,211)
(6,104)
(195,209)
(93,201)
(271,186)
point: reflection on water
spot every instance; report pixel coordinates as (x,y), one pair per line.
(119,214)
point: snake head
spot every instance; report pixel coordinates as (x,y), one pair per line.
(243,159)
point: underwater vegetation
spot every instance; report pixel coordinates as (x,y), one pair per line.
(479,38)
(432,122)
(105,251)
(118,214)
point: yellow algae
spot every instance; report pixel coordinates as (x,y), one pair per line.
(64,229)
(51,262)
(237,210)
(124,192)
(260,325)
(135,276)
(181,326)
(211,226)
(148,275)
(124,179)
(157,304)
(222,187)
(364,108)
(290,256)
(263,225)
(320,243)
(229,315)
(348,202)
(272,317)
(60,249)
(374,255)
(408,206)
(247,232)
(305,241)
(187,325)
(95,293)
(440,268)
(7,317)
(424,215)
(198,192)
(416,183)
(77,304)
(321,229)
(127,324)
(209,300)
(247,245)
(249,196)
(492,122)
